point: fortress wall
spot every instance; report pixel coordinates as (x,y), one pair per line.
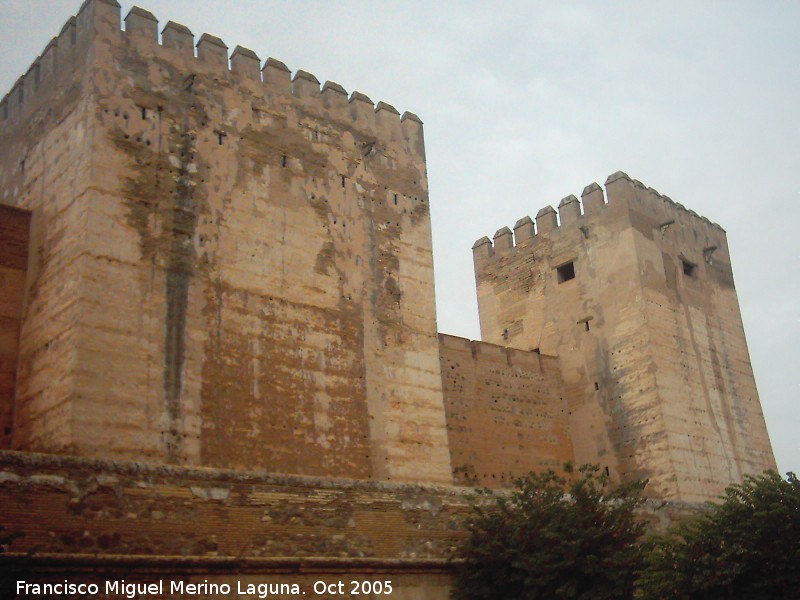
(135,509)
(505,412)
(14,243)
(255,279)
(45,92)
(89,520)
(45,168)
(231,266)
(104,520)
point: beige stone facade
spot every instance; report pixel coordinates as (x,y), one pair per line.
(506,413)
(233,272)
(634,294)
(211,264)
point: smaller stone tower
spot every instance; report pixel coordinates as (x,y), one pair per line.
(635,296)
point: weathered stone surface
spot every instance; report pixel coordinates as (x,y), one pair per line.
(121,519)
(227,274)
(124,508)
(229,277)
(505,413)
(14,241)
(149,522)
(232,269)
(656,372)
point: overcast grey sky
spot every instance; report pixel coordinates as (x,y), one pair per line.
(527,102)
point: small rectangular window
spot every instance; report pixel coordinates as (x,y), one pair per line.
(566,272)
(688,268)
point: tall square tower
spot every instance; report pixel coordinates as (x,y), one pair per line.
(635,296)
(229,267)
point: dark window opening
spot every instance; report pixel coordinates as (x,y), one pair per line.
(283,160)
(586,323)
(688,268)
(221,135)
(566,272)
(144,113)
(607,472)
(395,199)
(343,180)
(596,386)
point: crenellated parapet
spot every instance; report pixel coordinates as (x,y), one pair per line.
(622,194)
(272,79)
(63,55)
(634,294)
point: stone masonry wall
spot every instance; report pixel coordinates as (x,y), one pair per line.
(45,169)
(253,278)
(593,322)
(14,241)
(705,380)
(231,267)
(89,520)
(654,359)
(136,522)
(126,508)
(505,412)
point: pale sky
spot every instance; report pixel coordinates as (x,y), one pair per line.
(527,102)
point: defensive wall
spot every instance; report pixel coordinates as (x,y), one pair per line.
(217,325)
(93,520)
(191,360)
(506,415)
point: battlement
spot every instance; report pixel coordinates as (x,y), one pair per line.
(513,357)
(100,19)
(622,193)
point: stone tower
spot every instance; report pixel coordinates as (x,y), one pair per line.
(635,296)
(229,267)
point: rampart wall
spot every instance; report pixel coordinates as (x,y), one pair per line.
(231,267)
(89,520)
(44,169)
(14,242)
(506,415)
(248,276)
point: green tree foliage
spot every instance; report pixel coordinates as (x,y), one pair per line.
(747,547)
(552,538)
